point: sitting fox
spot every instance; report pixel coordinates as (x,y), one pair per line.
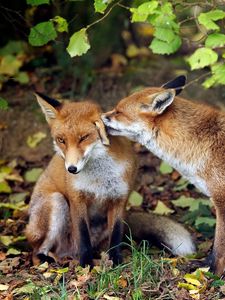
(189,136)
(79,201)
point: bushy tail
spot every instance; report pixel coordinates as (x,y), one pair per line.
(160,230)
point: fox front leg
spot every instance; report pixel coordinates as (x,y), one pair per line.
(80,233)
(115,226)
(218,254)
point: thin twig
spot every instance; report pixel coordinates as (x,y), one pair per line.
(105,15)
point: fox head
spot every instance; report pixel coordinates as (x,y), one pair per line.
(77,130)
(141,110)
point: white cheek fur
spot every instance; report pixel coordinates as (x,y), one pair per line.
(102,176)
(58,150)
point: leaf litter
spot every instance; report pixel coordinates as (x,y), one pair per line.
(164,275)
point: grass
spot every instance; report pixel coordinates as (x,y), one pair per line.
(137,278)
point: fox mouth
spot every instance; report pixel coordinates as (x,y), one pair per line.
(112,130)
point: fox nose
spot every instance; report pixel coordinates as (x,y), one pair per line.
(72,169)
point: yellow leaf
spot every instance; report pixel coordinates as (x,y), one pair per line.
(191,278)
(186,286)
(6,239)
(43,267)
(162,209)
(35,139)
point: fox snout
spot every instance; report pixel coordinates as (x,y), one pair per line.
(72,169)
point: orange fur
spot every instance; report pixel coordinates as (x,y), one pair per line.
(61,207)
(189,136)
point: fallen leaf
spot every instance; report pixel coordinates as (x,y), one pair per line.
(43,267)
(26,289)
(33,174)
(60,271)
(4,287)
(135,199)
(2,256)
(18,197)
(35,139)
(6,239)
(5,188)
(165,168)
(13,251)
(162,209)
(191,278)
(122,282)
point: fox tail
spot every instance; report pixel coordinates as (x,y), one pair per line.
(161,231)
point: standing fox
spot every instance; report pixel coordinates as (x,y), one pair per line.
(189,136)
(79,201)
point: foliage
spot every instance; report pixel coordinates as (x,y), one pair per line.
(166,19)
(12,58)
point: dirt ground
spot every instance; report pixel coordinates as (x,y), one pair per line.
(24,118)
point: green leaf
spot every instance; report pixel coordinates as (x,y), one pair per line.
(135,199)
(33,174)
(218,77)
(164,34)
(162,47)
(6,240)
(12,47)
(13,251)
(162,209)
(202,57)
(5,188)
(17,206)
(209,82)
(79,43)
(165,168)
(3,104)
(205,220)
(207,19)
(101,5)
(215,40)
(191,203)
(18,197)
(26,289)
(141,13)
(61,24)
(181,184)
(37,2)
(42,33)
(22,77)
(10,65)
(217,283)
(35,139)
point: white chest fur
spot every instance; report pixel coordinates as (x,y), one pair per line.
(187,167)
(102,177)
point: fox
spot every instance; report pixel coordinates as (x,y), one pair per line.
(187,135)
(79,202)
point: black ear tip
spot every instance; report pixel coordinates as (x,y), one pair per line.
(51,101)
(178,84)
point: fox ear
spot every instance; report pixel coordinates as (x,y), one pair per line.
(177,83)
(102,132)
(48,105)
(159,102)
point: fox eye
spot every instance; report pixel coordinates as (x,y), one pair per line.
(117,113)
(84,137)
(60,140)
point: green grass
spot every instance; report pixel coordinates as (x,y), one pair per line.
(135,279)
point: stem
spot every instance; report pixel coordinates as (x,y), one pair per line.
(196,79)
(106,14)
